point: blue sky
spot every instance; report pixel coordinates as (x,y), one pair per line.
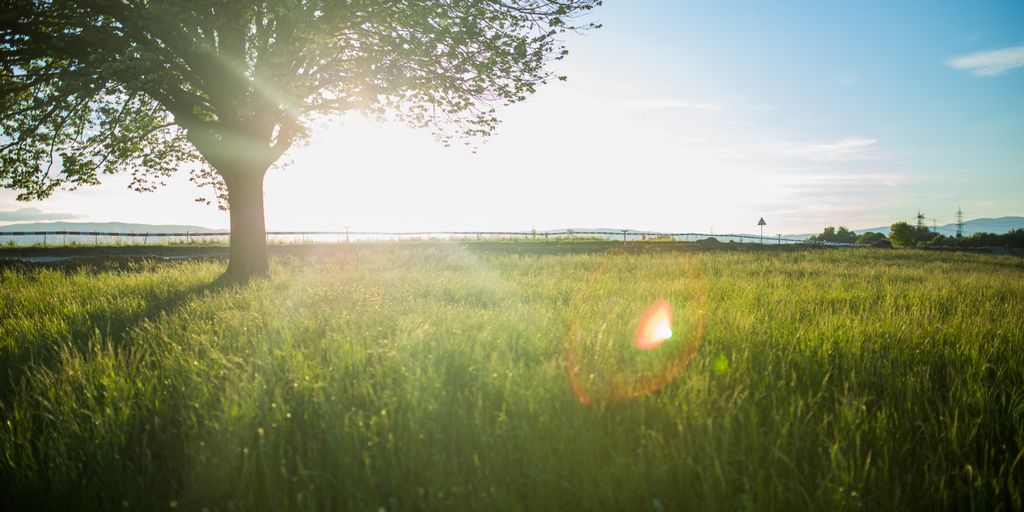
(686,116)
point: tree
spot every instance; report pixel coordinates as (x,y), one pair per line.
(845,236)
(94,87)
(826,235)
(902,234)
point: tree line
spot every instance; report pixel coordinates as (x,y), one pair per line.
(902,234)
(842,235)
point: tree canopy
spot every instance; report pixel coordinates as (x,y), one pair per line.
(831,234)
(225,87)
(903,234)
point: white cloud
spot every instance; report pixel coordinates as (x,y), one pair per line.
(973,36)
(763,107)
(857,200)
(34,214)
(991,62)
(652,104)
(847,149)
(622,97)
(847,79)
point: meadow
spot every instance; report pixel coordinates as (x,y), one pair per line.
(502,376)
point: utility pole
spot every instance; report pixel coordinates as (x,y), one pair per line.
(959,222)
(935,225)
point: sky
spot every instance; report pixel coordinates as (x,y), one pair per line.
(679,116)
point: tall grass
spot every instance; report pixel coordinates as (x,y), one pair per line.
(435,375)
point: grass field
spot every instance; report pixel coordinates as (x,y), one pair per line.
(434,375)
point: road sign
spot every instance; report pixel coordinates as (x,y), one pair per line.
(761,223)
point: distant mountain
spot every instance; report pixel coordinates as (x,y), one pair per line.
(637,234)
(118,227)
(997,225)
(103,227)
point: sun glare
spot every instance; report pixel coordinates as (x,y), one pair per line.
(655,326)
(664,332)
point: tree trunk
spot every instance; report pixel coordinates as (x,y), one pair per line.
(248,228)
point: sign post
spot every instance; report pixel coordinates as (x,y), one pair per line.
(761,223)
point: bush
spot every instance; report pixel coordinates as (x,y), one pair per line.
(870,238)
(1014,238)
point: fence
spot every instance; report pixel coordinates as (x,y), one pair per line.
(117,238)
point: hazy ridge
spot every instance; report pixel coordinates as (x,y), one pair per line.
(996,225)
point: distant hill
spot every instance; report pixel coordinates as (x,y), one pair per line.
(636,234)
(119,227)
(998,225)
(103,227)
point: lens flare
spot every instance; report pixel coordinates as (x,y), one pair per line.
(655,326)
(610,342)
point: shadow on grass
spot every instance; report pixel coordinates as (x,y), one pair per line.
(56,463)
(113,327)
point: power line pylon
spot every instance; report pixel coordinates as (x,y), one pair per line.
(959,222)
(920,219)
